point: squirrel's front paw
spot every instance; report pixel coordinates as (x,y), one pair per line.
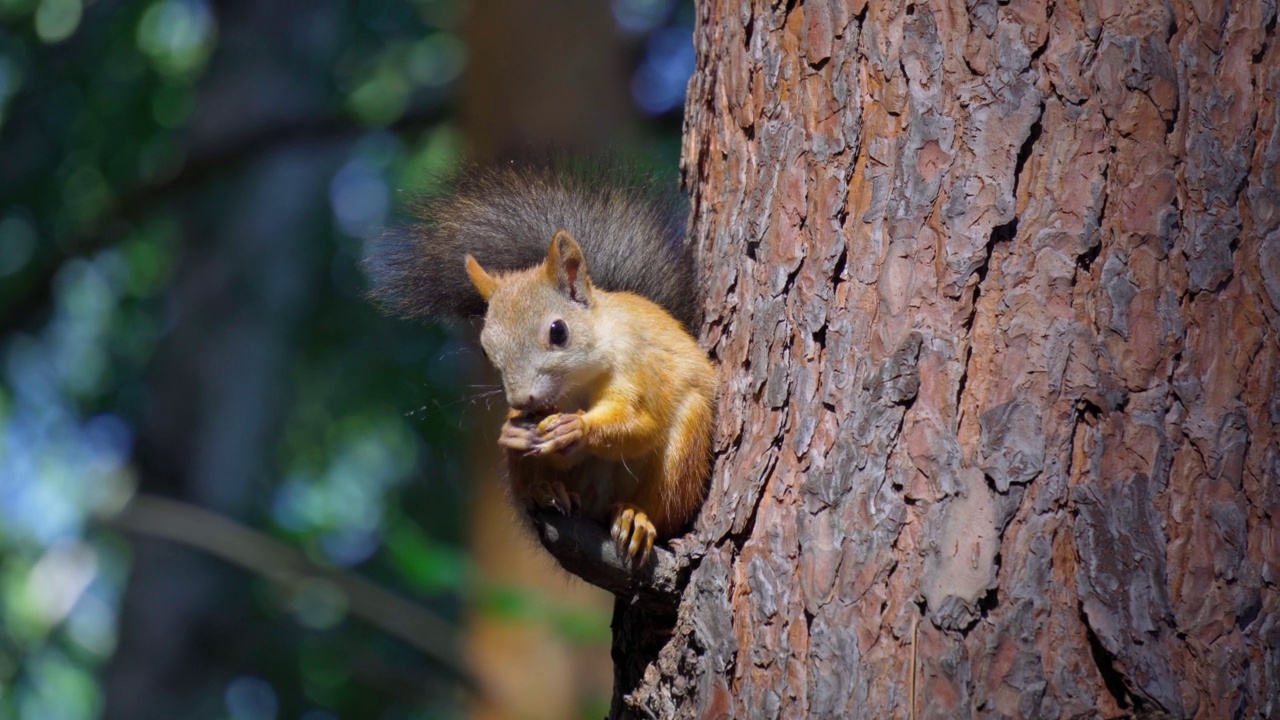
(633,532)
(555,496)
(518,435)
(559,433)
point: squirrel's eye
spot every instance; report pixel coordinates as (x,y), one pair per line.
(559,333)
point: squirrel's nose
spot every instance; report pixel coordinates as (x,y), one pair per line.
(530,404)
(522,403)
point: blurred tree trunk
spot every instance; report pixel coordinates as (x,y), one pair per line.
(995,291)
(243,282)
(539,75)
(209,434)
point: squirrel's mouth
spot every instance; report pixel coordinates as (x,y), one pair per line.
(538,411)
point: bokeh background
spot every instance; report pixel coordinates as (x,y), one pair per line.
(229,488)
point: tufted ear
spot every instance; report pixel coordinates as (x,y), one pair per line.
(485,283)
(566,268)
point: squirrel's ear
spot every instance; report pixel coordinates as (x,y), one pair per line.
(484,282)
(567,268)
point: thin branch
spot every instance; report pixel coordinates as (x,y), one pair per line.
(208,532)
(137,202)
(586,550)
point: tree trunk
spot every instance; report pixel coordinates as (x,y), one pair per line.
(994,290)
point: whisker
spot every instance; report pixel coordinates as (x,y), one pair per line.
(470,398)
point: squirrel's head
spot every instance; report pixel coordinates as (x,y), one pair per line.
(538,330)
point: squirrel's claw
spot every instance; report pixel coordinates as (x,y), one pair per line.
(519,438)
(549,421)
(557,433)
(555,496)
(633,533)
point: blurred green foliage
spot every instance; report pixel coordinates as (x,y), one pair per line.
(112,184)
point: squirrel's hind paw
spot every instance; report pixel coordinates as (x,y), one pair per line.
(633,533)
(555,496)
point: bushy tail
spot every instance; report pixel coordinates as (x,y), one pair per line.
(631,232)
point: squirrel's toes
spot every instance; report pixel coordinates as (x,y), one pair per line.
(633,533)
(555,496)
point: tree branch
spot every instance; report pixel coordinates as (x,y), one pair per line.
(137,202)
(586,550)
(208,532)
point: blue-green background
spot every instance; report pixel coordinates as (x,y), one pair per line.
(186,189)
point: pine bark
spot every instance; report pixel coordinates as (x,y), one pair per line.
(995,291)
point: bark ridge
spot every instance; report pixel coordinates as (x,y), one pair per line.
(995,290)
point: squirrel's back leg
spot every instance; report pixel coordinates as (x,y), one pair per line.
(522,476)
(537,484)
(673,492)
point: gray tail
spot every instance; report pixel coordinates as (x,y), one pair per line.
(631,232)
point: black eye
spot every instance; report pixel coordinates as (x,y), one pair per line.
(559,333)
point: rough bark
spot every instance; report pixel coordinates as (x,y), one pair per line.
(995,291)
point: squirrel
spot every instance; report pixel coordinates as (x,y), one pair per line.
(587,288)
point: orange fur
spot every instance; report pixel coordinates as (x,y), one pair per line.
(639,449)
